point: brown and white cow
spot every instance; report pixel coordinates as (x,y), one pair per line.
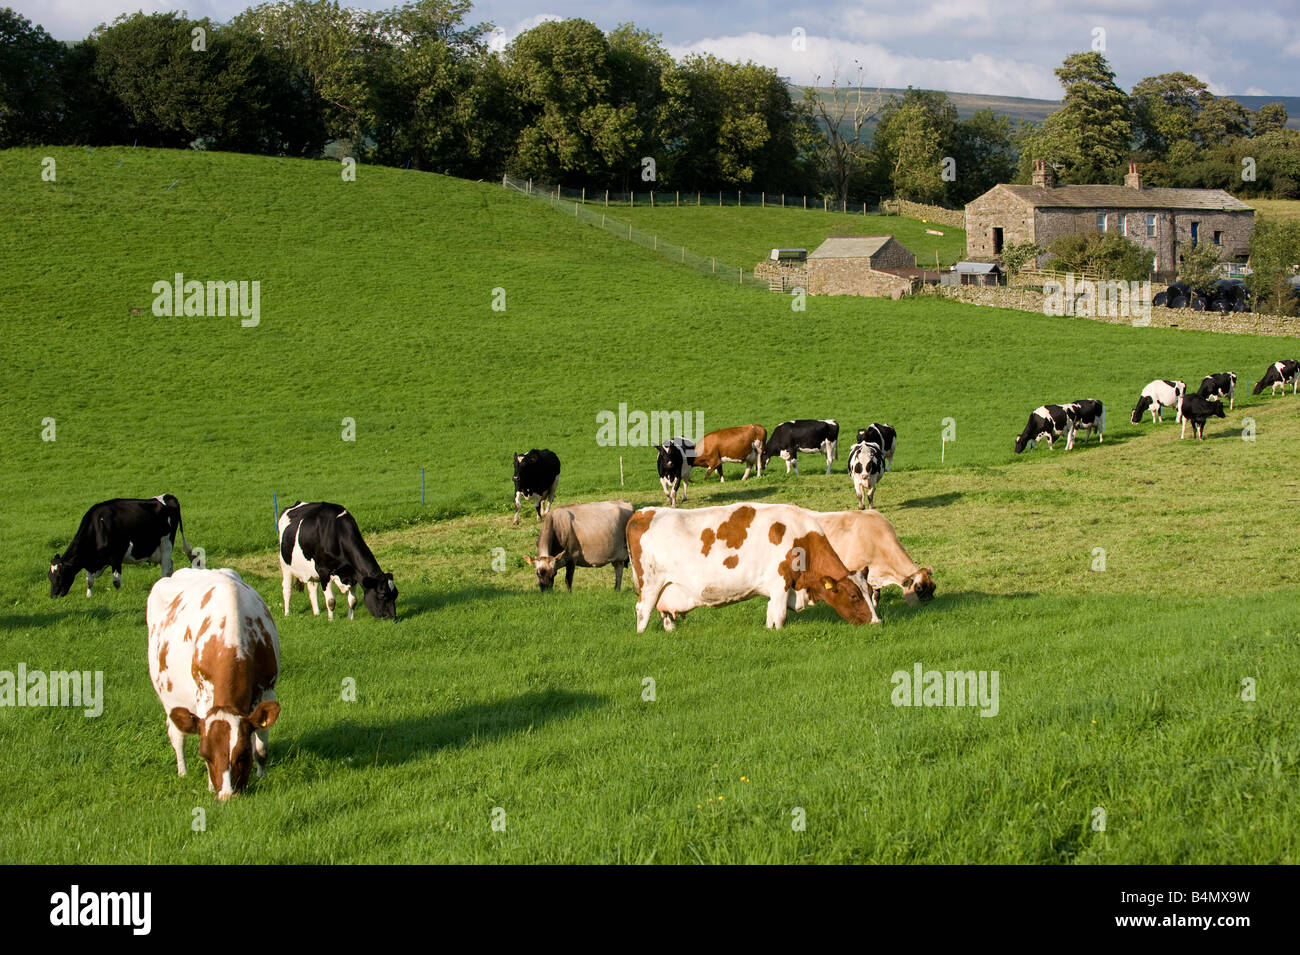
(868,545)
(713,556)
(582,535)
(214,657)
(740,445)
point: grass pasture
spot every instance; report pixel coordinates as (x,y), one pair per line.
(1119,688)
(1276,208)
(744,236)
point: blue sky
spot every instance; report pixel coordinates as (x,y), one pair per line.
(1007,47)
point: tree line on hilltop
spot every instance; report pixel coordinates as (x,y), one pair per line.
(565,102)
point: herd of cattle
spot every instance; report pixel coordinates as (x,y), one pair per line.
(712,556)
(214,652)
(1049,422)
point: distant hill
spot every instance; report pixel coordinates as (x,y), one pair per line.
(1036,110)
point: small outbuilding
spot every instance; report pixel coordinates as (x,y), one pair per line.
(859,265)
(972,273)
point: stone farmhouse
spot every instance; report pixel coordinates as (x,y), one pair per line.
(1165,221)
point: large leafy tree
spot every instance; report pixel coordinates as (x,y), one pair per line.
(1165,110)
(732,126)
(329,55)
(1274,253)
(175,94)
(1220,118)
(29,81)
(1090,136)
(573,127)
(421,81)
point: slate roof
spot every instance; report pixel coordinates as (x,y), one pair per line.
(850,247)
(1126,197)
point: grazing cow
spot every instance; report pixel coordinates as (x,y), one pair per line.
(1160,394)
(1087,415)
(806,435)
(868,546)
(1218,387)
(1198,409)
(123,530)
(582,535)
(536,475)
(866,465)
(883,437)
(214,657)
(1279,374)
(742,444)
(321,543)
(1047,421)
(674,466)
(712,556)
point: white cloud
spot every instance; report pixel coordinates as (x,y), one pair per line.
(975,73)
(499,39)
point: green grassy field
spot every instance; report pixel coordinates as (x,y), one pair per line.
(1277,208)
(744,236)
(1119,688)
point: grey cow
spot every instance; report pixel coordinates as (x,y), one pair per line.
(582,535)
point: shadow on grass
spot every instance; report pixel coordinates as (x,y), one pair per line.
(936,500)
(429,601)
(741,492)
(400,741)
(60,612)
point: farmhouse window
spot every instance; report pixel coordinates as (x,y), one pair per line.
(1196,233)
(997,240)
(1101,222)
(1218,237)
(1123,225)
(1151,225)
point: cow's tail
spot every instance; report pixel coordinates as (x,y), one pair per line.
(180,529)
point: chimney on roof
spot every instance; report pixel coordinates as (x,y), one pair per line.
(1044,175)
(1133,180)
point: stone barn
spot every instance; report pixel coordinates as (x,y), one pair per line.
(860,265)
(1165,221)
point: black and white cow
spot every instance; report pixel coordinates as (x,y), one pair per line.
(1280,373)
(123,530)
(675,460)
(866,465)
(320,543)
(1046,421)
(1087,415)
(883,437)
(806,435)
(1218,387)
(1197,410)
(1160,394)
(536,475)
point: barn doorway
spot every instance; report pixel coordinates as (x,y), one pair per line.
(997,240)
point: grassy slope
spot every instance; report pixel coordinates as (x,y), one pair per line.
(742,236)
(1119,688)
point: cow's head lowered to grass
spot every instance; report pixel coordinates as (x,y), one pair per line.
(226,742)
(812,565)
(380,595)
(547,568)
(919,587)
(61,576)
